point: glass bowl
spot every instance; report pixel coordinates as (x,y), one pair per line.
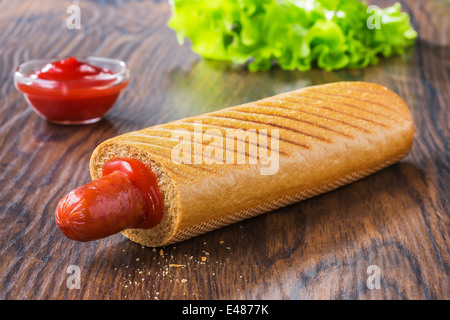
(71,102)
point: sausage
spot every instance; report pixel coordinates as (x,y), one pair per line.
(126,196)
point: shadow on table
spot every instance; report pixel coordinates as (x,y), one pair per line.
(47,131)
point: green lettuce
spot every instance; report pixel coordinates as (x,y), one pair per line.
(295,34)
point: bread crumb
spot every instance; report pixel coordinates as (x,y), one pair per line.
(174,265)
(161,252)
(183,280)
(204,259)
(221,241)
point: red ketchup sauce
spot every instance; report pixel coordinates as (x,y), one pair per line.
(71,92)
(126,196)
(145,180)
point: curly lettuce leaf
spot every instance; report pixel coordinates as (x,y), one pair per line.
(295,34)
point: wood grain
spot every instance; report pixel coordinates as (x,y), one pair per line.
(397,219)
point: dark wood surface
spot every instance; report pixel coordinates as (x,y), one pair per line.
(397,219)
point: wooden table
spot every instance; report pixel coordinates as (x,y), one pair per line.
(396,220)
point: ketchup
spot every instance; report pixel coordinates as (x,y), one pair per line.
(71,91)
(145,180)
(126,196)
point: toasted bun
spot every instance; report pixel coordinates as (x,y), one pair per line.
(329,135)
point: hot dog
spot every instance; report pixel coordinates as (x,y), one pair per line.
(329,135)
(126,196)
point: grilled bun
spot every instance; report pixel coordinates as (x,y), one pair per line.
(324,136)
